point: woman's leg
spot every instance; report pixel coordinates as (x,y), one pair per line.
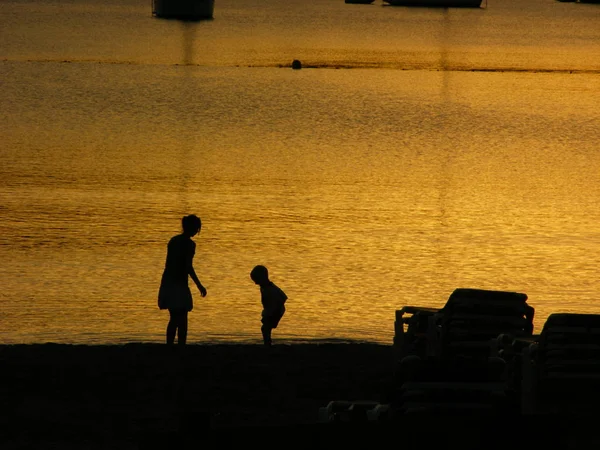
(171,327)
(182,327)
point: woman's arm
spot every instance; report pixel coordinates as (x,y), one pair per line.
(192,272)
(194,277)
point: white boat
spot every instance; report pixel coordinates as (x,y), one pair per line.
(437,3)
(183,9)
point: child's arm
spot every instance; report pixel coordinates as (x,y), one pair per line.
(283,296)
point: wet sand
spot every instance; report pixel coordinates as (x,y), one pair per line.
(147,396)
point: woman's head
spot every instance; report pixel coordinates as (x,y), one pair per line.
(191,224)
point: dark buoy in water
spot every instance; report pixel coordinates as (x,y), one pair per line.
(296,64)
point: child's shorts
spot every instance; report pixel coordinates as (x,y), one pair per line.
(271,321)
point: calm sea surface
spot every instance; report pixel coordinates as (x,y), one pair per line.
(418,150)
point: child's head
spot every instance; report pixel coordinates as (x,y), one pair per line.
(191,224)
(259,274)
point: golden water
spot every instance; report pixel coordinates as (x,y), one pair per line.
(451,149)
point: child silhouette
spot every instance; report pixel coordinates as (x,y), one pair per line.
(272,299)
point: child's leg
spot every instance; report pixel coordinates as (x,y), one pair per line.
(266,333)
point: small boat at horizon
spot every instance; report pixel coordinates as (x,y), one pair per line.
(437,3)
(183,9)
(596,2)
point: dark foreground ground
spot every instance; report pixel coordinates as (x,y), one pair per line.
(146,396)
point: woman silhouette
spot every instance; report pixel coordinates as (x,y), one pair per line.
(174,293)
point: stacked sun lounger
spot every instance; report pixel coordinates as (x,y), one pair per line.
(561,371)
(468,324)
(451,359)
(472,386)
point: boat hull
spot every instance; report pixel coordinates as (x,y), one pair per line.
(183,9)
(437,3)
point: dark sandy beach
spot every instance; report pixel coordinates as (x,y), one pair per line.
(116,396)
(144,396)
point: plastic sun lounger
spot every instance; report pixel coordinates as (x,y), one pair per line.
(469,323)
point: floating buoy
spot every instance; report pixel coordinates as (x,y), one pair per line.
(296,64)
